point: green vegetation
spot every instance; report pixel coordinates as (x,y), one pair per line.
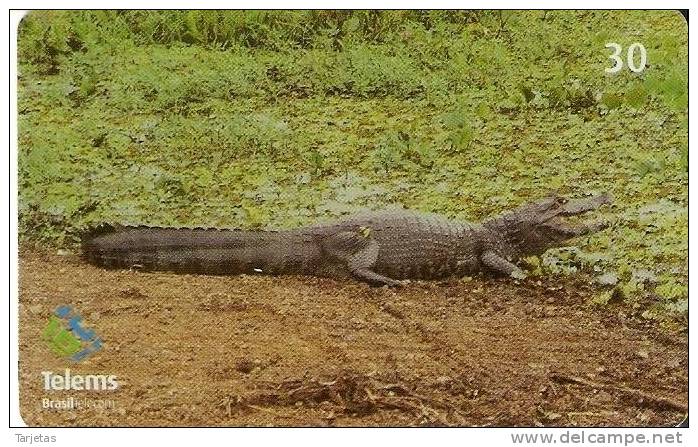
(259,118)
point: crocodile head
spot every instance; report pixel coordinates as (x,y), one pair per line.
(535,227)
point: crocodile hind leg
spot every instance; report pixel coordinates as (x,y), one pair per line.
(358,252)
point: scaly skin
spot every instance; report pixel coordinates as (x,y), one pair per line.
(382,248)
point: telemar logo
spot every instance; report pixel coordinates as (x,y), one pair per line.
(79,382)
(68,338)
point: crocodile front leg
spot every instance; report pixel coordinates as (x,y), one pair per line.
(497,263)
(358,251)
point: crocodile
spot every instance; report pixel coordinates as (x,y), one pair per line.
(379,248)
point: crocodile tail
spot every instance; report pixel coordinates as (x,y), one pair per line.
(184,250)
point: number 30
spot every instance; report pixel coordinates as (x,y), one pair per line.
(618,66)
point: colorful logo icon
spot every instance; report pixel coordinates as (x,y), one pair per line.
(68,338)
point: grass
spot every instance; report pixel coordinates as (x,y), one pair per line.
(275,119)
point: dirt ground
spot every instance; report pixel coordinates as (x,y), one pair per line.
(299,351)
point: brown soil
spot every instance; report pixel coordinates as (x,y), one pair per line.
(298,351)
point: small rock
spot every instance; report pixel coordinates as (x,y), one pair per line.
(644,276)
(675,363)
(607,279)
(357,322)
(35,308)
(63,252)
(642,354)
(443,380)
(244,366)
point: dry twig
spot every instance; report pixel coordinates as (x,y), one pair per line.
(638,395)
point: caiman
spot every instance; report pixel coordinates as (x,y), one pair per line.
(380,248)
